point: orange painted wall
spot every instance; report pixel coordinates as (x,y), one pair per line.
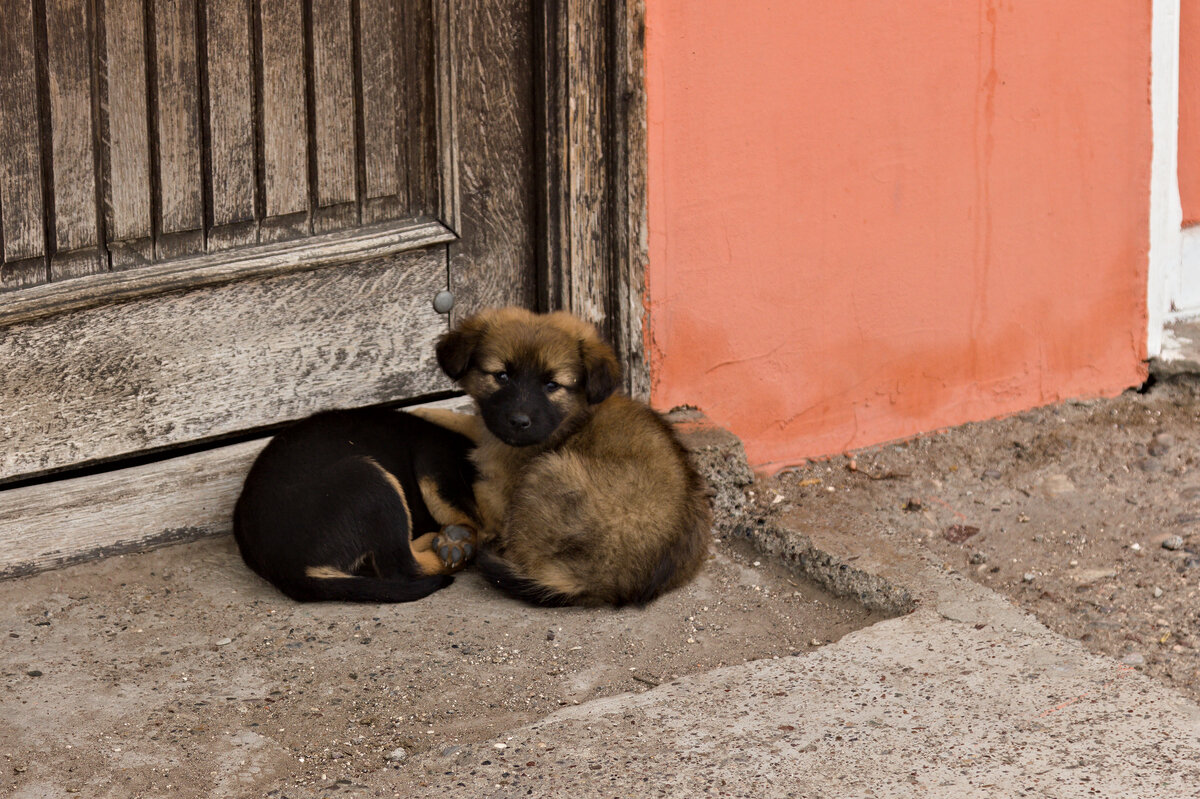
(1189,110)
(873,219)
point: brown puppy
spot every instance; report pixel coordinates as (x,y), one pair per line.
(585,496)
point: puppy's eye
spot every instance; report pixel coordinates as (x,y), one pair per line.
(551,387)
(501,377)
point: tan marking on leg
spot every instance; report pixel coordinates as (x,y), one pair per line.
(467,424)
(424,543)
(399,489)
(429,562)
(441,510)
(326,573)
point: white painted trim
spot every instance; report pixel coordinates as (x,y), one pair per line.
(1184,291)
(1166,212)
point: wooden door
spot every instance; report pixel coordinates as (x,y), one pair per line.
(219,215)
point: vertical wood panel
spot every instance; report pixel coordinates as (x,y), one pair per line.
(380,108)
(585,154)
(76,217)
(285,120)
(21,225)
(125,132)
(178,126)
(230,118)
(630,238)
(418,37)
(492,116)
(333,91)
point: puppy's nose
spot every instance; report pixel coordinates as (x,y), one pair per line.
(519,421)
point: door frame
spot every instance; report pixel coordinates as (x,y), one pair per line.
(590,97)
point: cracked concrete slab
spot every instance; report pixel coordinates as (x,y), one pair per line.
(967,696)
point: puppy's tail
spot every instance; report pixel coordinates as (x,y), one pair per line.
(502,574)
(352,588)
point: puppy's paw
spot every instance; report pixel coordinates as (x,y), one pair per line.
(455,545)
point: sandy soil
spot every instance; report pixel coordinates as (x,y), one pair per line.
(178,673)
(1087,514)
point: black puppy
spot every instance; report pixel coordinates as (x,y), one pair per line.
(359,505)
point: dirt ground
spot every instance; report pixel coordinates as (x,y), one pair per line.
(178,673)
(1087,514)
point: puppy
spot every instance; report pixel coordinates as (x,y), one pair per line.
(585,496)
(330,509)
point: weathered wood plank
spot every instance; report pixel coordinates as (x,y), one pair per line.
(21,211)
(177,113)
(591,104)
(285,117)
(492,119)
(148,374)
(55,524)
(423,44)
(629,207)
(334,107)
(332,249)
(230,94)
(76,214)
(586,161)
(127,134)
(381,111)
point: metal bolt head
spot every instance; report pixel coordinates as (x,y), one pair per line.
(443,301)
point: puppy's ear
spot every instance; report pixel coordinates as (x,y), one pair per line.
(602,371)
(454,349)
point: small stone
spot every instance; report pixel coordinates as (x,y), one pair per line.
(1028,577)
(1135,546)
(1157,592)
(397,755)
(913,504)
(991,474)
(957,533)
(500,746)
(549,635)
(978,557)
(34,673)
(1134,659)
(1173,543)
(224,641)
